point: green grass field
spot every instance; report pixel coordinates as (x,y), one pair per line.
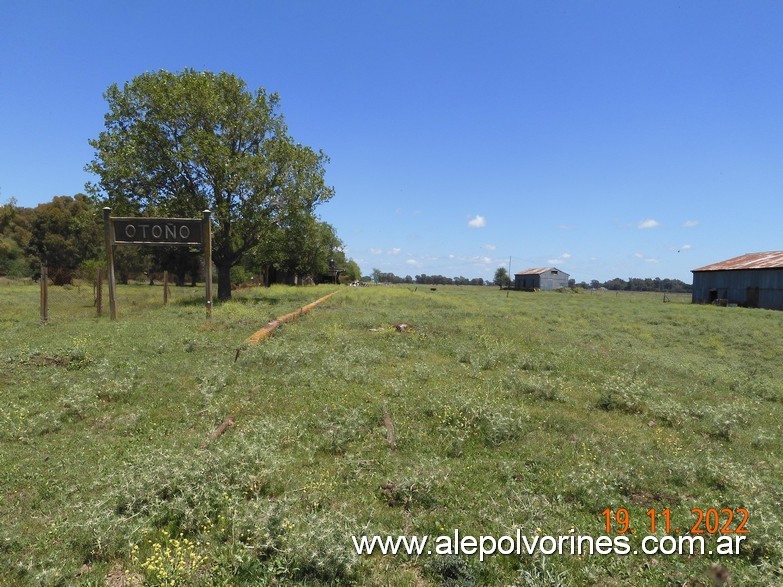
(530,411)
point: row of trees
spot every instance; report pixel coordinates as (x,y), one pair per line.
(641,284)
(63,233)
(67,235)
(633,284)
(502,279)
(175,144)
(379,276)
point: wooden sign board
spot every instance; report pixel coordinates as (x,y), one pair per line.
(190,232)
(158,231)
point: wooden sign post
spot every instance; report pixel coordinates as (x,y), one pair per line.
(108,236)
(190,232)
(206,224)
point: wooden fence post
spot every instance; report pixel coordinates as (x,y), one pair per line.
(165,288)
(99,291)
(44,294)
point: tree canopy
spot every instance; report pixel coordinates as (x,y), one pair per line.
(178,143)
(502,278)
(64,234)
(15,240)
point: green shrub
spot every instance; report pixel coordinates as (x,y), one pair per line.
(623,393)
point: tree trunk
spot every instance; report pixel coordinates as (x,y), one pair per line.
(224,282)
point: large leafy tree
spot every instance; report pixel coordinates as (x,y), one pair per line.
(302,246)
(502,278)
(14,239)
(63,234)
(178,143)
(310,245)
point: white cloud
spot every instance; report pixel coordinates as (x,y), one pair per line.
(645,259)
(376,251)
(561,260)
(476,259)
(690,223)
(649,223)
(685,248)
(412,262)
(477,222)
(490,247)
(394,251)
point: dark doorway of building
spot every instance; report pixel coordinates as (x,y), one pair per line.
(752,297)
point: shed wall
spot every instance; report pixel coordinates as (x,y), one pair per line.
(544,281)
(531,281)
(762,288)
(550,282)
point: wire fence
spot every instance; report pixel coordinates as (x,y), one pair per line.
(88,297)
(640,296)
(70,301)
(85,297)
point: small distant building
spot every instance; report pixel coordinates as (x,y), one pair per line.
(543,278)
(754,280)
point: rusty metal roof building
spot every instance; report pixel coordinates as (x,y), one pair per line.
(536,270)
(544,278)
(769,260)
(753,280)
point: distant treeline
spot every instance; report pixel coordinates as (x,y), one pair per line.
(423,279)
(616,284)
(640,284)
(66,234)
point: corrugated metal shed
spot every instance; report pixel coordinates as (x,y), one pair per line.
(768,260)
(754,280)
(545,278)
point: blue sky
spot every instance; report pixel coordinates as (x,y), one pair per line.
(607,138)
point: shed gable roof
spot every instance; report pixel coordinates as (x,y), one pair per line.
(539,271)
(768,260)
